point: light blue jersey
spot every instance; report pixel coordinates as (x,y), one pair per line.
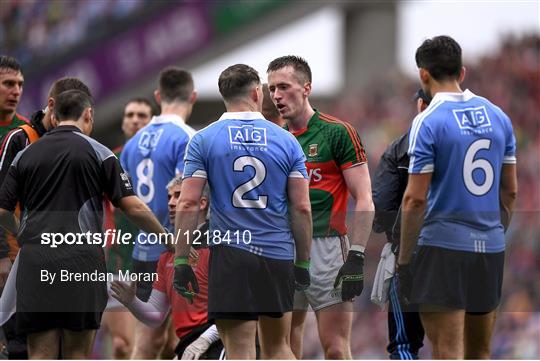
(464,140)
(152,158)
(247,161)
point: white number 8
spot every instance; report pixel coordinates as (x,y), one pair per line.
(145,179)
(470,164)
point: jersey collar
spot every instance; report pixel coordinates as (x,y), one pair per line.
(241,116)
(167,118)
(454,97)
(310,122)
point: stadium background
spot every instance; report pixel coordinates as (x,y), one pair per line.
(356,49)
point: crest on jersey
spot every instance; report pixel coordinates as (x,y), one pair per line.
(313,150)
(149,141)
(472,118)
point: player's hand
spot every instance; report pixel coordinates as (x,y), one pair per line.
(5,267)
(404,277)
(195,349)
(183,277)
(351,276)
(124,292)
(301,275)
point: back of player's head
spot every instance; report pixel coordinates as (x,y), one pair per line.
(300,66)
(71,104)
(65,84)
(441,57)
(175,85)
(8,63)
(236,81)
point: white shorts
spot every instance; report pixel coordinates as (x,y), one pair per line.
(328,254)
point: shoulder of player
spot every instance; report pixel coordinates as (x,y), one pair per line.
(15,139)
(101,151)
(331,123)
(23,119)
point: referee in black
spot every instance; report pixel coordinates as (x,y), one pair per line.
(60,181)
(405,330)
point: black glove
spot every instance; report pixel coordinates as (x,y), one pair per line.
(183,276)
(351,276)
(301,275)
(404,277)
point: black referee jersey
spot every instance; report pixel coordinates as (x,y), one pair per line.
(60,181)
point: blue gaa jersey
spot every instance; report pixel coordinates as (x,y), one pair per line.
(247,161)
(152,158)
(464,140)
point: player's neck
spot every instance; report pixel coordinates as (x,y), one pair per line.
(241,107)
(301,122)
(183,110)
(6,117)
(446,87)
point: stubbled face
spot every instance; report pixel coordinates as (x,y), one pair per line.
(173,194)
(136,116)
(287,92)
(11,88)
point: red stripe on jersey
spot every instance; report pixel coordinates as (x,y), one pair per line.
(357,144)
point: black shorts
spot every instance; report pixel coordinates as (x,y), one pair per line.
(67,301)
(457,279)
(244,286)
(214,352)
(144,288)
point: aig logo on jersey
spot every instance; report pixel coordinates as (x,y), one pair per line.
(472,119)
(247,135)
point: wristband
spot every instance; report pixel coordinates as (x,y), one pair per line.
(180,260)
(302,264)
(357,247)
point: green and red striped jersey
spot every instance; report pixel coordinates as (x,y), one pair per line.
(330,146)
(8,126)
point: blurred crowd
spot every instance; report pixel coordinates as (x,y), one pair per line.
(511,79)
(33,29)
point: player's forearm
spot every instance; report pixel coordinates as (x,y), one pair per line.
(302,230)
(362,222)
(139,213)
(186,221)
(412,219)
(507,207)
(8,221)
(147,312)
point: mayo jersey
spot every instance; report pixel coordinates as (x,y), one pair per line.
(331,146)
(464,140)
(152,158)
(247,161)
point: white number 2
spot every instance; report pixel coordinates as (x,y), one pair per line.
(260,174)
(470,164)
(145,178)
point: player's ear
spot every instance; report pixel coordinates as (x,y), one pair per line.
(50,103)
(462,74)
(193,97)
(307,89)
(424,76)
(203,203)
(157,96)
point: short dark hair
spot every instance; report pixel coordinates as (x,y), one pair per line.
(71,104)
(8,62)
(236,81)
(300,66)
(175,85)
(65,84)
(441,57)
(142,100)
